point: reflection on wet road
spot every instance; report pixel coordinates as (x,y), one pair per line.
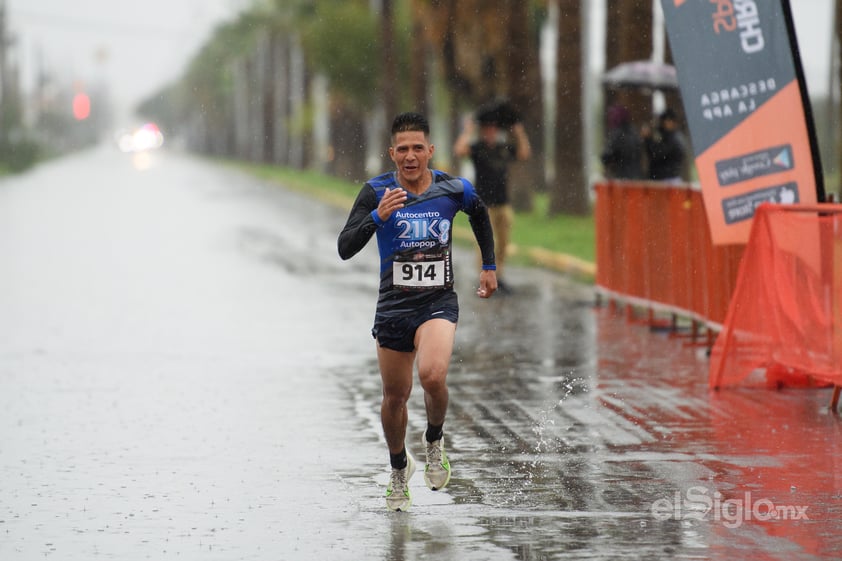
(576,434)
(187,372)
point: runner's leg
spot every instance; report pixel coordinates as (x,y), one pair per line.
(396,376)
(434,344)
(502,219)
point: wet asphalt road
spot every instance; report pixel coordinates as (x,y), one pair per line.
(186,372)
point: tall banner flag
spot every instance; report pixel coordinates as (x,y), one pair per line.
(747,107)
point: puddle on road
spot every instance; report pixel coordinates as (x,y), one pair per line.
(575,433)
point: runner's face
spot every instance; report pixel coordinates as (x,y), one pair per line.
(411,153)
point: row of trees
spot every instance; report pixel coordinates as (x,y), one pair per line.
(314,83)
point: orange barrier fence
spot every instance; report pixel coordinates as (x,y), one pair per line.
(654,251)
(784,324)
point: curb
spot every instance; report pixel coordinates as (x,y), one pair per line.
(543,258)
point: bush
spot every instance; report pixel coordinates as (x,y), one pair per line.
(18,156)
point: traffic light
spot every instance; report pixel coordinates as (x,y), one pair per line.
(81,106)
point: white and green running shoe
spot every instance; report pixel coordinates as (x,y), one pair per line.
(397,493)
(437,471)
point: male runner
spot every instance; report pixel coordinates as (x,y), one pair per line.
(411,210)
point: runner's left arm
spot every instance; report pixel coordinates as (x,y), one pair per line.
(481,225)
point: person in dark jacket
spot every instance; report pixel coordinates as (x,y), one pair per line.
(665,148)
(623,148)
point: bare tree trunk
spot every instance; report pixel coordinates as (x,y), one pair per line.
(629,37)
(390,72)
(267,71)
(300,153)
(257,103)
(280,54)
(419,52)
(240,100)
(569,190)
(525,91)
(348,140)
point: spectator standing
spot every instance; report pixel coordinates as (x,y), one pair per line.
(665,148)
(501,139)
(623,153)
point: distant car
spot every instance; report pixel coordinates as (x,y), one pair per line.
(141,139)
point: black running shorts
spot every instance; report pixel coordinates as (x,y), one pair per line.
(397,332)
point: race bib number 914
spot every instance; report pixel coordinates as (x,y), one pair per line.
(418,274)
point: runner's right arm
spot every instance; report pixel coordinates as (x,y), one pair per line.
(360,225)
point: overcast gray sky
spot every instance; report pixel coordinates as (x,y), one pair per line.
(133,47)
(138,47)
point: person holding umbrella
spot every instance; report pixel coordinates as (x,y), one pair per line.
(623,151)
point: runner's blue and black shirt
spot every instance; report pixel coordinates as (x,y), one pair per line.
(415,243)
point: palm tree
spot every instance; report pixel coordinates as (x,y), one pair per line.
(338,44)
(487,50)
(471,39)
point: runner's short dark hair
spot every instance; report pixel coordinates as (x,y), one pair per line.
(408,122)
